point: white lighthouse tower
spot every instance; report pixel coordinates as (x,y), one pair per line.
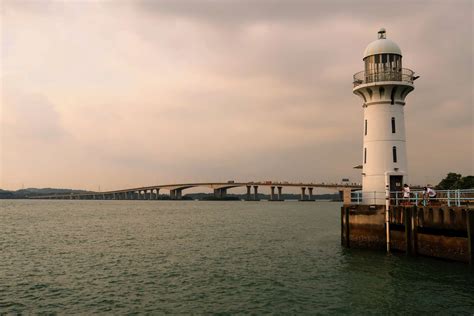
(383,86)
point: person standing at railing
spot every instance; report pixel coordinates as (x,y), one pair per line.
(406,194)
(428,193)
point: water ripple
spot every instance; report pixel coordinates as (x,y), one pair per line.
(125,257)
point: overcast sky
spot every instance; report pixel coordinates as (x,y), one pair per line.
(123,94)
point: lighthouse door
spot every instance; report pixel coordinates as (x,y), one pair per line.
(396,183)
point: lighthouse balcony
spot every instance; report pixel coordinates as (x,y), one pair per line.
(364,77)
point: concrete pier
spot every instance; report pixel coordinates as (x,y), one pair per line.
(280,196)
(255,193)
(434,231)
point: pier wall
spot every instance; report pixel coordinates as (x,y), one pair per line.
(434,231)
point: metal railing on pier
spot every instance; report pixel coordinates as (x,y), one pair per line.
(443,197)
(403,75)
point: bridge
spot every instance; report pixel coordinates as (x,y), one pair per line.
(220,191)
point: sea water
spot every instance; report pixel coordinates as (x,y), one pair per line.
(120,257)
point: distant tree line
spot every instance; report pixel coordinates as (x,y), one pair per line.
(454,181)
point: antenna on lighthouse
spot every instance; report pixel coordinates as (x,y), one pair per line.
(382,33)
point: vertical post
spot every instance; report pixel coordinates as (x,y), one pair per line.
(310,193)
(248,192)
(348,232)
(272,194)
(470,234)
(408,229)
(255,192)
(387,211)
(414,224)
(343,216)
(448,198)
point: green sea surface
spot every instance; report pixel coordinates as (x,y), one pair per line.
(194,257)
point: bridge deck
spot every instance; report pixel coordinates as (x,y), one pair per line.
(212,185)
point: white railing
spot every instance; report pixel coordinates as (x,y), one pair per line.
(445,197)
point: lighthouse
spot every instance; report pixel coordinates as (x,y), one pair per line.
(383,86)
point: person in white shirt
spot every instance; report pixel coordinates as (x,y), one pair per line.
(428,193)
(406,193)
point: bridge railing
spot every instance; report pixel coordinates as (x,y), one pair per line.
(443,197)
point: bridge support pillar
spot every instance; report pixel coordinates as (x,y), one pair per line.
(220,193)
(310,194)
(248,192)
(272,193)
(255,192)
(176,194)
(280,197)
(157,193)
(303,194)
(346,196)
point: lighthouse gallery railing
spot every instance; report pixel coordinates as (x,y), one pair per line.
(363,77)
(445,197)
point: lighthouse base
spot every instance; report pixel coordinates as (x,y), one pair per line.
(439,232)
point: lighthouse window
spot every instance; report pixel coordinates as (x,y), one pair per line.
(393,125)
(382,92)
(394,153)
(365,155)
(365,128)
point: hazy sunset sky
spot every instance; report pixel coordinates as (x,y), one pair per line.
(130,93)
